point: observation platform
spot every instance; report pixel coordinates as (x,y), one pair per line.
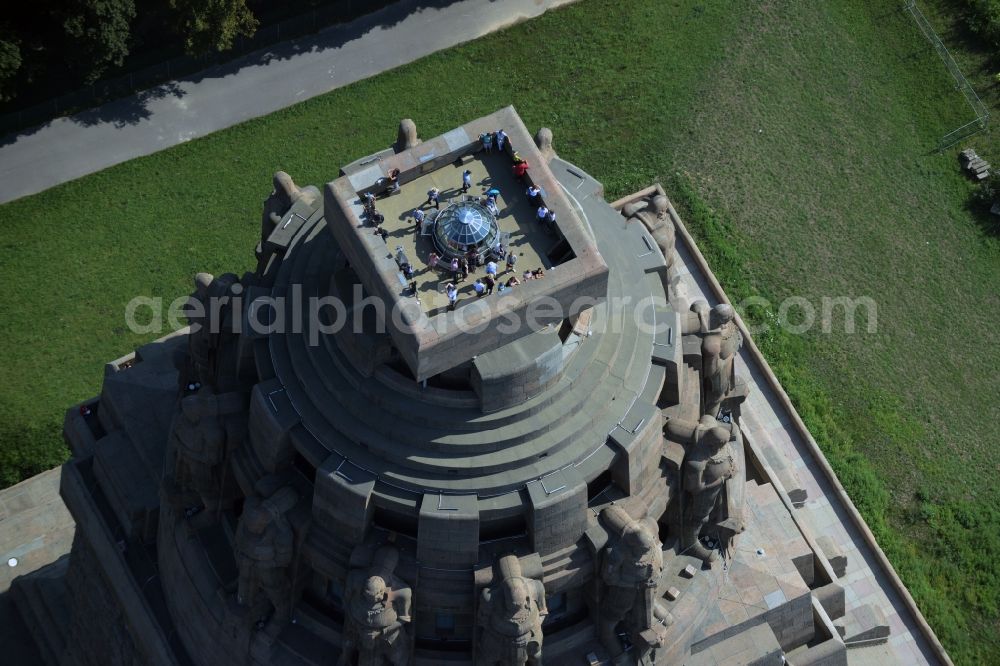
(534,247)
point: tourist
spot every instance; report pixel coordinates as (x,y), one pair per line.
(491,268)
(501,139)
(550,220)
(464,263)
(491,205)
(454,269)
(487,140)
(452,292)
(493,192)
(490,283)
(368,200)
(377,217)
(513,281)
(466,181)
(379,231)
(473,257)
(433,196)
(418,217)
(394,181)
(528,275)
(520,170)
(511,260)
(480,288)
(538,273)
(534,195)
(433,260)
(541,213)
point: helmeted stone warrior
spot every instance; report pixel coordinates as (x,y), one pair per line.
(378,607)
(509,621)
(203,431)
(654,215)
(721,341)
(631,565)
(264,545)
(406,136)
(707,466)
(210,313)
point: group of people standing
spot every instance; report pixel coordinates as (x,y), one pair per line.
(483,286)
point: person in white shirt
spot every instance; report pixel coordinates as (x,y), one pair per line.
(466,181)
(501,139)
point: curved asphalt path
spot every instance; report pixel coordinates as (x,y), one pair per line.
(252,86)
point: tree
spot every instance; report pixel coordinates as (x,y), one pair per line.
(10,64)
(100,32)
(213,25)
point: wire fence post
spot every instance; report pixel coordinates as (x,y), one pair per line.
(961,83)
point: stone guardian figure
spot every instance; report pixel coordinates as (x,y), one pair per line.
(264,545)
(210,314)
(707,466)
(721,341)
(205,429)
(631,565)
(509,619)
(378,606)
(654,215)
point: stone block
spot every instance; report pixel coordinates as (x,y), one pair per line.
(271,418)
(838,561)
(864,625)
(673,593)
(131,492)
(689,571)
(558,513)
(831,598)
(639,439)
(448,531)
(831,652)
(342,498)
(755,646)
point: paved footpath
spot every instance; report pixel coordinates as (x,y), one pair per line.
(252,86)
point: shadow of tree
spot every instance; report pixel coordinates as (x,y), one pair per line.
(128,111)
(133,109)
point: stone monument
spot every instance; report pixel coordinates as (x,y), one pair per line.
(334,464)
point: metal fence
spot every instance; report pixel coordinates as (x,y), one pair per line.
(961,83)
(337,11)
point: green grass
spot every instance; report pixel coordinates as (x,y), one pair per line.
(797,139)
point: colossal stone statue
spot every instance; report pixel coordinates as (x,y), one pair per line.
(207,427)
(264,544)
(631,565)
(406,137)
(377,611)
(655,217)
(210,313)
(721,341)
(543,139)
(707,466)
(509,622)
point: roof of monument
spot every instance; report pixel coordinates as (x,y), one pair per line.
(432,339)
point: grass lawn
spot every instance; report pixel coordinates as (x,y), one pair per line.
(797,138)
